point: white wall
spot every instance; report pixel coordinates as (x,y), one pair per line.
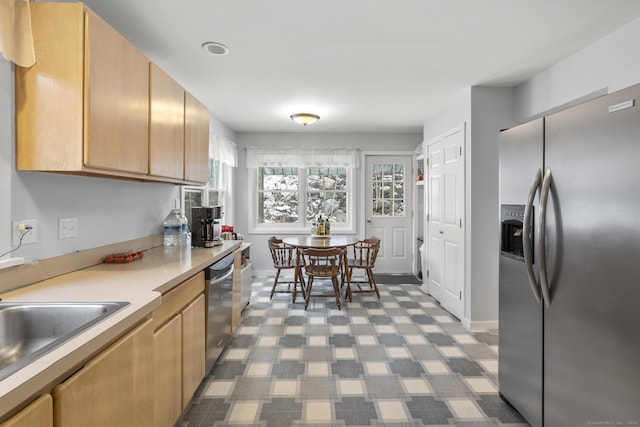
(260,256)
(484,111)
(610,64)
(491,111)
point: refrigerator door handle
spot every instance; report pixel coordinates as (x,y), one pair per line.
(526,236)
(544,198)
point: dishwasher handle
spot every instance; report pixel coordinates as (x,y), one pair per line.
(220,269)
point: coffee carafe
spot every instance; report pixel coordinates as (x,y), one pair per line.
(205,230)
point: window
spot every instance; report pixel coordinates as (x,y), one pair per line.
(278,195)
(282,200)
(219,189)
(290,187)
(388,190)
(288,199)
(211,194)
(327,194)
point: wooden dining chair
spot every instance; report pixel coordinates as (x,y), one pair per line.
(322,264)
(284,258)
(363,256)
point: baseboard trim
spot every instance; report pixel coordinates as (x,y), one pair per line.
(479,325)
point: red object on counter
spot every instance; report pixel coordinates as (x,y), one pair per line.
(226,229)
(122,258)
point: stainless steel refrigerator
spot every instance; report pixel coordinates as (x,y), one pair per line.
(570,265)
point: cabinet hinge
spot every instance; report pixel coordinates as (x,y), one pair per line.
(427,273)
(427,217)
(460,222)
(427,160)
(460,150)
(460,294)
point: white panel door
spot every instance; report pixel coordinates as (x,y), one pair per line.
(388,210)
(445,235)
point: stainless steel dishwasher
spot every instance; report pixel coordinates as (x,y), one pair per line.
(219,295)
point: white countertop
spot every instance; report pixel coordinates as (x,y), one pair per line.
(140,283)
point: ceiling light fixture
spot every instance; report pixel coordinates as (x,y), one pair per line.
(305,118)
(214,48)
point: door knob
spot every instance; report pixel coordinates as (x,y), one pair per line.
(369,221)
(441,232)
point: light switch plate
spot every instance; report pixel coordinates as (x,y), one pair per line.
(67,228)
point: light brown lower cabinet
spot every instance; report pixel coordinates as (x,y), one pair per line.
(37,414)
(167,349)
(113,389)
(193,348)
(179,349)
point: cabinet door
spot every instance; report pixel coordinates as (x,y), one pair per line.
(196,140)
(166,128)
(193,348)
(49,128)
(167,345)
(37,414)
(116,100)
(112,388)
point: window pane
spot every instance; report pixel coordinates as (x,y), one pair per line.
(271,179)
(388,190)
(326,194)
(279,207)
(387,172)
(214,173)
(398,190)
(214,198)
(398,208)
(377,172)
(192,198)
(278,195)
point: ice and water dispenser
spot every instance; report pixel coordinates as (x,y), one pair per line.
(512,229)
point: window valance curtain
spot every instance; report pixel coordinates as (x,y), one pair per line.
(220,148)
(302,157)
(16,38)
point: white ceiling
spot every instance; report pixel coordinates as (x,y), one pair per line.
(362,65)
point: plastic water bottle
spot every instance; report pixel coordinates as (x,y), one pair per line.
(185,235)
(172,228)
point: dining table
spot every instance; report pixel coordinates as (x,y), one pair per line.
(317,242)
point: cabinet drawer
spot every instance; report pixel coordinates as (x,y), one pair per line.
(177,299)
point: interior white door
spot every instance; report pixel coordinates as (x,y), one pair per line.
(388,210)
(445,233)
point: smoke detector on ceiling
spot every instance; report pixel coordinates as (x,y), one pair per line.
(215,48)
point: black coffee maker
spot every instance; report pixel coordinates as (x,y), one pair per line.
(205,227)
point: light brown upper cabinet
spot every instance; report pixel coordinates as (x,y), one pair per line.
(86,106)
(166,129)
(196,140)
(83,107)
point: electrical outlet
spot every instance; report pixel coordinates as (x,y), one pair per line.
(21,228)
(67,228)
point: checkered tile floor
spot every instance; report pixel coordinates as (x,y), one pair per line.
(400,361)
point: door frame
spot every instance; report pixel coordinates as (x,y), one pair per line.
(362,222)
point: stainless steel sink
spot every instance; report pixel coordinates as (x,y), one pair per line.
(30,330)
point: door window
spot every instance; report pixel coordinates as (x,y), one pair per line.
(388,189)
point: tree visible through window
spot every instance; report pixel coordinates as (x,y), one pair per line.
(291,195)
(388,190)
(278,195)
(327,194)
